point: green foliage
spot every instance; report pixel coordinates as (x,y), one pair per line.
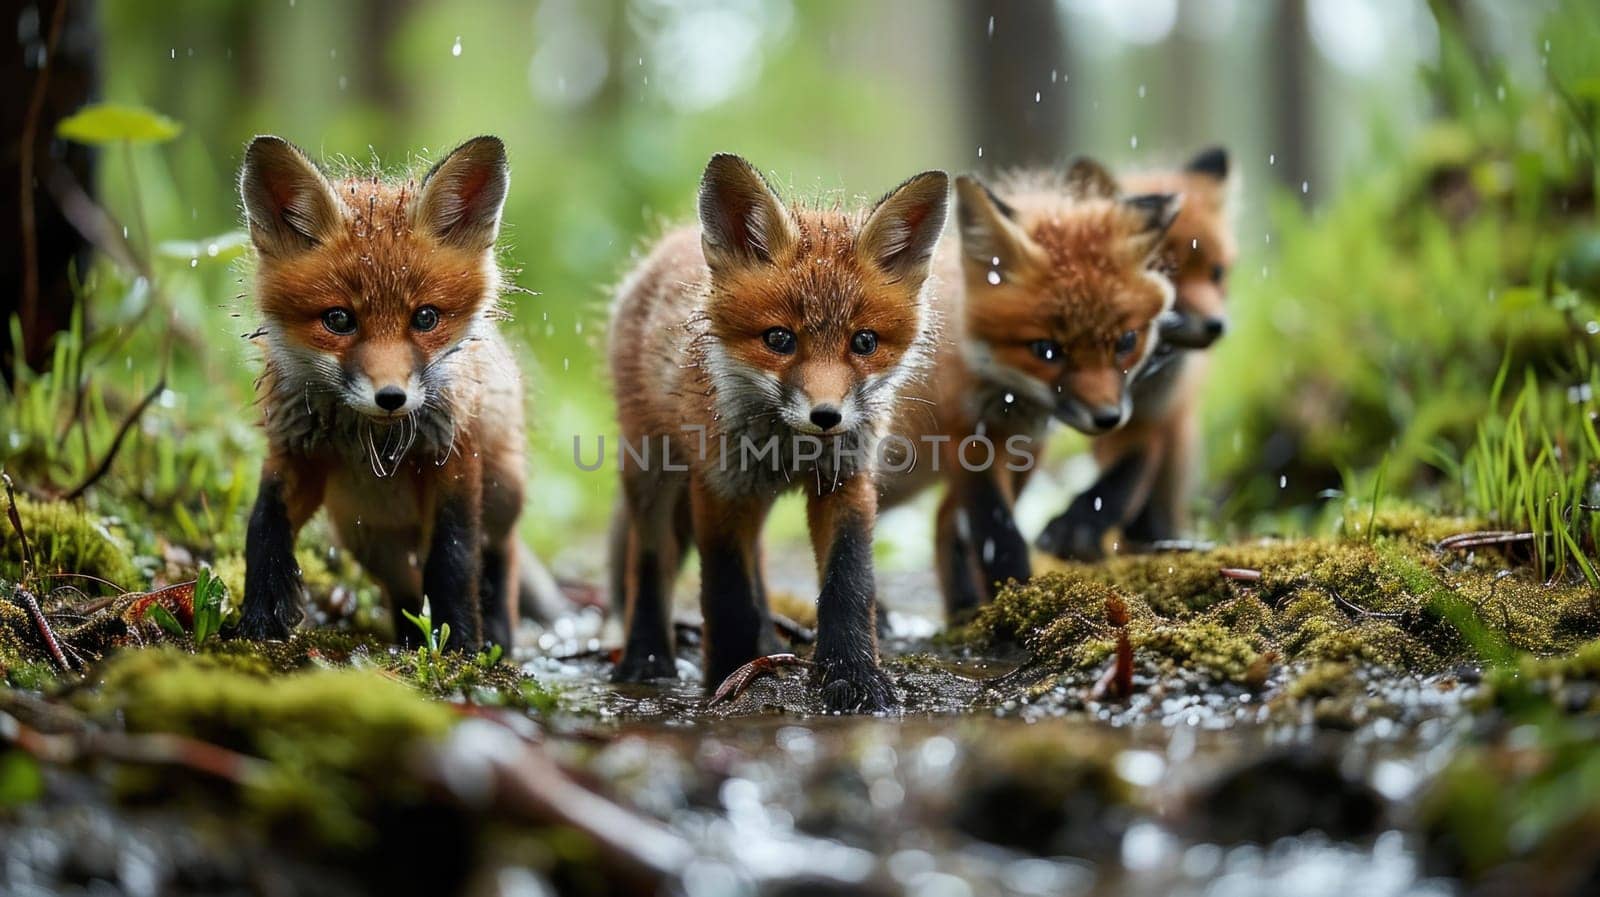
(430,669)
(208,595)
(1538,468)
(21,782)
(103,123)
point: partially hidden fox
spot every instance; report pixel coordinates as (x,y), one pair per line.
(387,395)
(778,329)
(1146,467)
(1050,310)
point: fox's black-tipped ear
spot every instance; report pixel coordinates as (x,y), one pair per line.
(1212,162)
(904,227)
(1088,179)
(1155,214)
(289,206)
(742,221)
(463,194)
(990,234)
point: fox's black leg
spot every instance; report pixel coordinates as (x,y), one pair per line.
(738,626)
(845,663)
(649,551)
(996,544)
(450,575)
(959,578)
(1077,533)
(497,579)
(272,589)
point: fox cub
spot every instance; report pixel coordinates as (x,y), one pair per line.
(1050,310)
(1146,467)
(759,353)
(388,397)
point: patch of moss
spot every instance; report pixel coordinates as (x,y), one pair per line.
(330,738)
(1392,601)
(67,539)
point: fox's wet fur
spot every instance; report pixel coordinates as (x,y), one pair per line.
(407,426)
(1147,466)
(746,327)
(1050,310)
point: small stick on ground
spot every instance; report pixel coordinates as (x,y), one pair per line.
(16,524)
(159,749)
(1240,574)
(1461,541)
(740,679)
(31,605)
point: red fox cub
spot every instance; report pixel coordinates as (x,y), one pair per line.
(1146,467)
(1049,309)
(388,397)
(760,353)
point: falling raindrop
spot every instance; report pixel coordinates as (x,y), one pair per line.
(991,27)
(1272,158)
(1141,91)
(1283,481)
(456,49)
(1036,96)
(1098,504)
(980,152)
(1133,142)
(1305,187)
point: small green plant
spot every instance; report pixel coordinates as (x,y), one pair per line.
(430,654)
(208,592)
(489,658)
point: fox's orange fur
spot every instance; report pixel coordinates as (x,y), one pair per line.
(1147,466)
(750,328)
(407,426)
(1049,310)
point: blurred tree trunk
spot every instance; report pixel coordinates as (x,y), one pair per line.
(1293,97)
(1012,46)
(379,22)
(52,67)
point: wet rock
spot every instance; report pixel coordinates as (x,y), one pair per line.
(1286,793)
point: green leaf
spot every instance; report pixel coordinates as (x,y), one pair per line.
(221,248)
(165,620)
(102,123)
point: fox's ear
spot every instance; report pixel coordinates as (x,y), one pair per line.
(990,234)
(742,222)
(904,227)
(1088,179)
(288,204)
(1153,214)
(1211,162)
(463,194)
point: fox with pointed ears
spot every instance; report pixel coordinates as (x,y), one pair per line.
(1146,467)
(1050,310)
(767,327)
(387,396)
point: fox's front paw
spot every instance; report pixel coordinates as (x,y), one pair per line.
(853,687)
(643,667)
(262,626)
(1073,537)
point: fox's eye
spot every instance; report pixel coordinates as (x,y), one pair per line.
(1217,273)
(1046,349)
(339,320)
(780,340)
(1126,342)
(425,318)
(865,342)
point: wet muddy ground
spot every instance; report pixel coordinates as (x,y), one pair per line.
(1006,771)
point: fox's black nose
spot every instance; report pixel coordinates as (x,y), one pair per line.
(390,398)
(1215,327)
(1107,418)
(826,416)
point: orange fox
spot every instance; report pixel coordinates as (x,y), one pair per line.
(387,394)
(1146,467)
(1050,309)
(757,354)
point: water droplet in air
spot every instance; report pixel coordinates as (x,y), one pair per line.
(994,278)
(1133,142)
(991,27)
(1141,91)
(456,49)
(980,152)
(1283,481)
(1272,158)
(1098,504)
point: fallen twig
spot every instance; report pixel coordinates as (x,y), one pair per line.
(740,679)
(486,766)
(16,524)
(116,443)
(1240,574)
(1477,540)
(31,605)
(161,749)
